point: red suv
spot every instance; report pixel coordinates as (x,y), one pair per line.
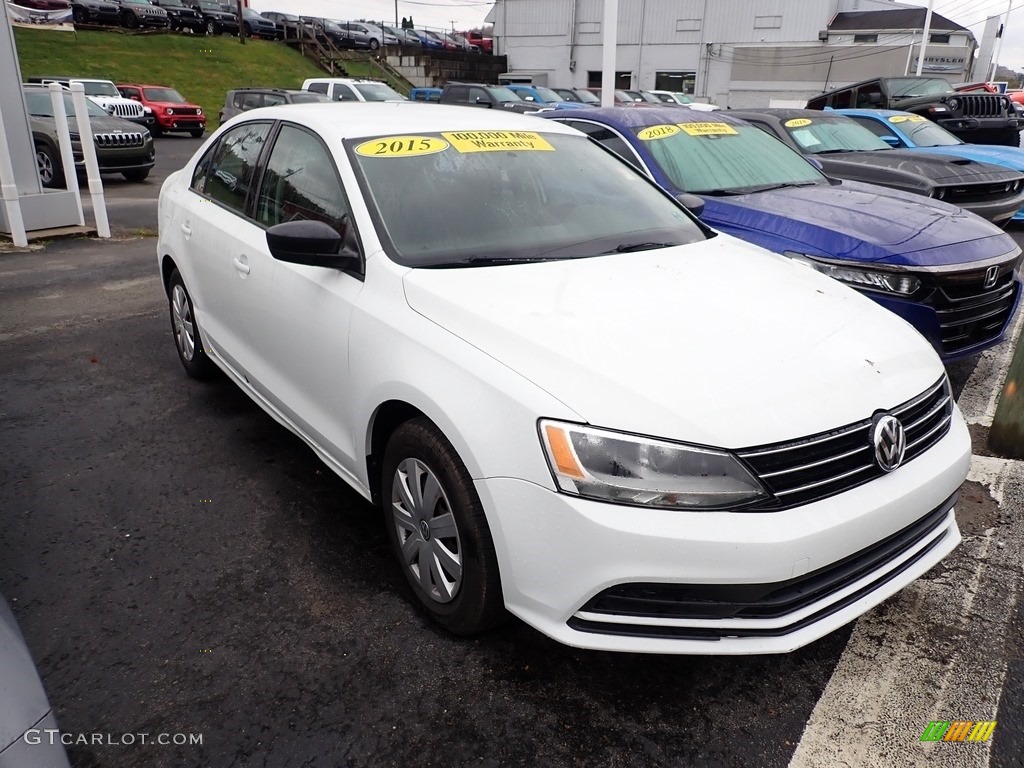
(170,110)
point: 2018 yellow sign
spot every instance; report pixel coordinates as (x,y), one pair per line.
(906,119)
(708,129)
(657,132)
(798,122)
(401,146)
(497,141)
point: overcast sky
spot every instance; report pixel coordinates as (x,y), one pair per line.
(467,14)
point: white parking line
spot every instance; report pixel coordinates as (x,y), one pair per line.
(935,651)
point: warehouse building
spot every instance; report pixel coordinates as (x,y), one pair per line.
(737,53)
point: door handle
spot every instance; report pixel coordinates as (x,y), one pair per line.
(187,230)
(240,265)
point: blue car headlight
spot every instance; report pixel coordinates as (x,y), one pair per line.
(874,279)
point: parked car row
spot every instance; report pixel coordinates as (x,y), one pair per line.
(715,438)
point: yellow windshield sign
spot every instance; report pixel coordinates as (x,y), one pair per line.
(497,141)
(401,146)
(708,129)
(798,122)
(906,119)
(657,132)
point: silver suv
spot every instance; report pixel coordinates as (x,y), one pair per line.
(243,99)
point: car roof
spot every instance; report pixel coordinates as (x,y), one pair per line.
(142,85)
(400,117)
(642,117)
(267,89)
(862,111)
(782,114)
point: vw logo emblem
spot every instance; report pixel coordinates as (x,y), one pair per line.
(889,441)
(991,275)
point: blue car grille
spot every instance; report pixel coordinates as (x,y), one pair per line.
(818,466)
(969,313)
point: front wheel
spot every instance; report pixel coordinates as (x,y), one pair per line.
(1007,137)
(212,28)
(137,175)
(197,133)
(438,530)
(187,337)
(374,45)
(78,15)
(130,21)
(51,174)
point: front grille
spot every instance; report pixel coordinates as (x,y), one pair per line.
(763,601)
(978,193)
(969,313)
(128,110)
(119,139)
(822,465)
(981,105)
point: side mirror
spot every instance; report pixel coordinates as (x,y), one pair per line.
(892,141)
(875,99)
(815,162)
(482,101)
(692,203)
(314,244)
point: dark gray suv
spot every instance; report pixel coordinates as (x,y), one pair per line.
(122,146)
(243,99)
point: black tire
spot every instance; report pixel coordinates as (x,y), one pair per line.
(156,130)
(471,602)
(51,172)
(185,329)
(197,133)
(247,30)
(79,15)
(139,174)
(1008,137)
(130,21)
(212,28)
(374,45)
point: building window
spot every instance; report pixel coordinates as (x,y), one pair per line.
(589,27)
(938,38)
(687,25)
(767,22)
(865,38)
(676,82)
(623,80)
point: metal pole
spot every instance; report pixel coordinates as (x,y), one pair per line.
(241,25)
(999,41)
(396,14)
(610,35)
(924,37)
(910,51)
(92,166)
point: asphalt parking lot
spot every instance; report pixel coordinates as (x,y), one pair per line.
(180,564)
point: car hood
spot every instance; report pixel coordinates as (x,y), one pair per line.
(718,342)
(172,104)
(22,700)
(1008,157)
(937,168)
(860,222)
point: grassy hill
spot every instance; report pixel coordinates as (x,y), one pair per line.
(202,68)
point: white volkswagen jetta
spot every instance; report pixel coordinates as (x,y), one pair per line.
(570,399)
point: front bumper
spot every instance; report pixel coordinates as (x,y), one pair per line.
(557,552)
(997,211)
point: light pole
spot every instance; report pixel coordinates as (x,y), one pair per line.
(924,37)
(999,40)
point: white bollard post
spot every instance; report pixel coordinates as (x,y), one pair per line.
(9,193)
(67,156)
(92,166)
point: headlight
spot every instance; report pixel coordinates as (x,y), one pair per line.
(630,469)
(75,136)
(199,110)
(169,111)
(938,193)
(899,283)
(953,103)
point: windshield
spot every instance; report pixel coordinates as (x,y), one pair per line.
(546,94)
(446,198)
(164,94)
(101,89)
(308,97)
(171,4)
(831,134)
(683,98)
(503,94)
(209,5)
(925,133)
(706,157)
(587,97)
(907,87)
(378,92)
(39,105)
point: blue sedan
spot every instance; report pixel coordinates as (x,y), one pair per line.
(951,274)
(904,130)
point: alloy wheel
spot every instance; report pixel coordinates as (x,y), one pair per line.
(45,165)
(184,328)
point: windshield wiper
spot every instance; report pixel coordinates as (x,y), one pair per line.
(489,261)
(783,185)
(631,247)
(720,192)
